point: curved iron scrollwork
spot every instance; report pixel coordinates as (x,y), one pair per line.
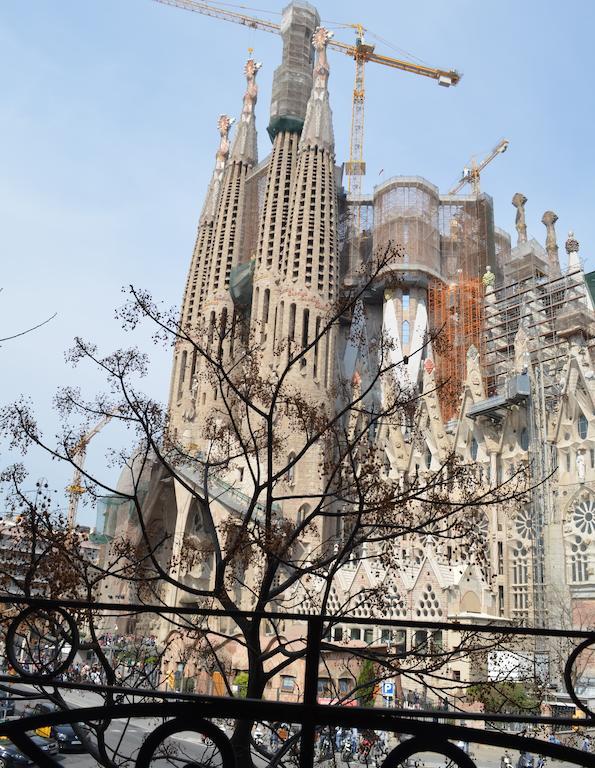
(154,741)
(42,642)
(415,746)
(568,675)
(43,639)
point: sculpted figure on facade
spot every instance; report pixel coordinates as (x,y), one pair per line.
(522,354)
(581,466)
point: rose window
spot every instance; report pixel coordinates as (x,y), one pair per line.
(524,524)
(583,516)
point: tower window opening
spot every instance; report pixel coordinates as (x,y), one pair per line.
(182,373)
(305,322)
(405,332)
(222,331)
(316,335)
(405,303)
(211,329)
(291,328)
(583,426)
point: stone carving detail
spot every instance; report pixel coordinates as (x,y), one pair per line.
(519,201)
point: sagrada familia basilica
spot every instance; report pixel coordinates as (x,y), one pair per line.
(273,249)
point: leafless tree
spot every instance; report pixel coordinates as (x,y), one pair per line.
(263,556)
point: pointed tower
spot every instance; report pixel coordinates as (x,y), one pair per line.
(292,85)
(225,251)
(216,305)
(307,280)
(309,271)
(183,369)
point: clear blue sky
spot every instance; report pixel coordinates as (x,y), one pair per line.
(108,114)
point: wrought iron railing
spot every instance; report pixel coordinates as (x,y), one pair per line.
(38,669)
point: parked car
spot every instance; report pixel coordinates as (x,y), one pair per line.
(45,743)
(68,739)
(12,757)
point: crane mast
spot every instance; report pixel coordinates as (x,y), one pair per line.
(361,53)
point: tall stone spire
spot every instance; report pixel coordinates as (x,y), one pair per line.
(310,256)
(230,207)
(183,370)
(196,283)
(310,263)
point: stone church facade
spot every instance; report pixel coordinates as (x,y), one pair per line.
(270,248)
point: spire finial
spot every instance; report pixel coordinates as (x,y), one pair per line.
(572,248)
(519,201)
(549,219)
(318,125)
(320,40)
(245,146)
(224,123)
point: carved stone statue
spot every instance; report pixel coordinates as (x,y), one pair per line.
(189,413)
(580,465)
(522,355)
(519,201)
(549,218)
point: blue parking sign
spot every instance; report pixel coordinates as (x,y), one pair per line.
(388,688)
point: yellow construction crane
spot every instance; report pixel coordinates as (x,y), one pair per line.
(361,53)
(471,174)
(75,489)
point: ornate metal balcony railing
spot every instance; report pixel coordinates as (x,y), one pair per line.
(43,638)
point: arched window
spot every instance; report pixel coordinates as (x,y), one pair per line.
(290,475)
(303,513)
(579,530)
(583,426)
(473,449)
(519,579)
(405,333)
(524,439)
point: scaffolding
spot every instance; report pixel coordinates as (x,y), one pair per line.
(543,306)
(456,323)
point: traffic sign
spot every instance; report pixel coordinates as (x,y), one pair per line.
(388,688)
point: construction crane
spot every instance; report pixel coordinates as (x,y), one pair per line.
(75,489)
(361,53)
(471,175)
